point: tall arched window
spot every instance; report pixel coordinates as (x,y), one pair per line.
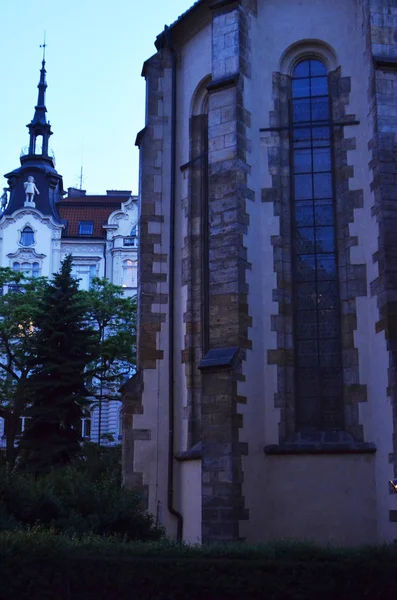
(27,236)
(317,312)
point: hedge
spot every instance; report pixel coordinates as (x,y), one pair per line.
(74,501)
(40,565)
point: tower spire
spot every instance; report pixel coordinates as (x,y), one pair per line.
(39,127)
(44,46)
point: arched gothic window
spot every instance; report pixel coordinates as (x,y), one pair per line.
(315,273)
(27,236)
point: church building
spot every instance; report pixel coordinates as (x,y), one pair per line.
(40,224)
(265,401)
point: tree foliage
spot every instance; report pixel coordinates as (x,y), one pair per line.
(19,309)
(55,337)
(63,346)
(113,317)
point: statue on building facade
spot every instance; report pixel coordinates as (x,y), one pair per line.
(4,199)
(30,191)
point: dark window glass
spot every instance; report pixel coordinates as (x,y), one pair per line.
(302,69)
(304,240)
(301,111)
(305,267)
(321,160)
(320,109)
(304,213)
(319,86)
(317,315)
(86,227)
(303,161)
(301,88)
(325,239)
(303,187)
(321,136)
(27,237)
(302,137)
(324,212)
(317,68)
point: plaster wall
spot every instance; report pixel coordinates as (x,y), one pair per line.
(190,500)
(326,499)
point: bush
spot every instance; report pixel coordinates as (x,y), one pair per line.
(40,565)
(68,500)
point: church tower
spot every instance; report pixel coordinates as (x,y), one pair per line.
(36,183)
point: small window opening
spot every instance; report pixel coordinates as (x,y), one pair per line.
(27,236)
(86,227)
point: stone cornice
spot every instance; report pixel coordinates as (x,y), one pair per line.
(24,250)
(225,82)
(35,214)
(385,62)
(225,4)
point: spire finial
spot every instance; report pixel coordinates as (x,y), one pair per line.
(44,46)
(39,127)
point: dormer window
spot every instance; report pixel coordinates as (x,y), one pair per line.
(86,227)
(27,236)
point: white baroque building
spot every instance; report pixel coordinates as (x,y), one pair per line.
(40,224)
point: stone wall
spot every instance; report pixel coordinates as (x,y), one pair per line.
(229,319)
(382,46)
(141,426)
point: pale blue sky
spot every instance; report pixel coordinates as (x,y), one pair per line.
(95,96)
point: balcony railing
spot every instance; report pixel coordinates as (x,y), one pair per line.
(132,242)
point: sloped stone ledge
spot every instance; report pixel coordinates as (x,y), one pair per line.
(321,442)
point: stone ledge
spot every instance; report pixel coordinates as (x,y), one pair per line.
(194,453)
(223,83)
(321,442)
(225,4)
(385,62)
(139,137)
(220,358)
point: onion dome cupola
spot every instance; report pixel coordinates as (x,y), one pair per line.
(36,183)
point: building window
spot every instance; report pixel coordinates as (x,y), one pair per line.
(120,425)
(86,427)
(86,227)
(28,269)
(317,312)
(27,236)
(85,274)
(129,273)
(20,428)
(132,239)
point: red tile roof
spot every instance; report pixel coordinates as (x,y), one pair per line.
(88,208)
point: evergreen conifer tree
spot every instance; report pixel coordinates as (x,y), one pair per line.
(65,344)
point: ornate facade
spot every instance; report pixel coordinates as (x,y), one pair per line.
(265,401)
(40,224)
